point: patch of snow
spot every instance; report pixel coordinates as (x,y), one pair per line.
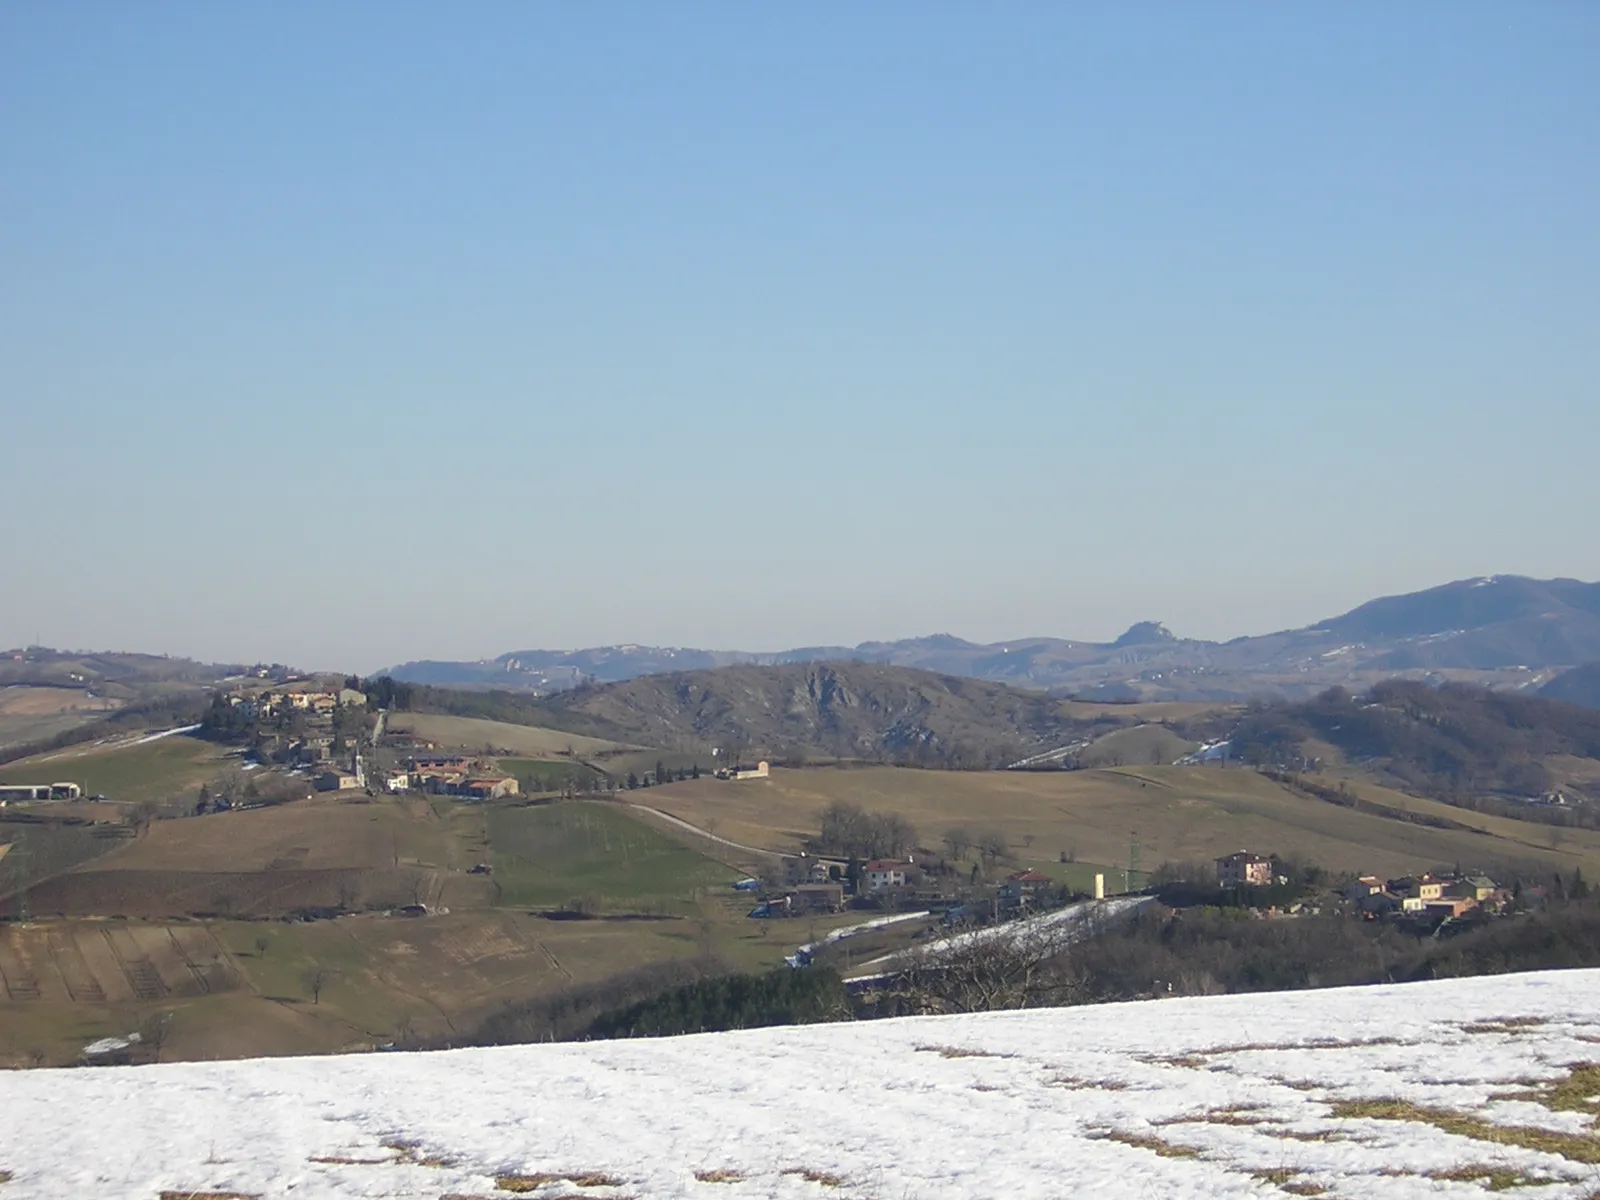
(109,1045)
(165,733)
(802,954)
(1210,752)
(1060,926)
(1018,1104)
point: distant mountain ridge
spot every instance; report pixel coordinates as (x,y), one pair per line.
(1504,631)
(864,711)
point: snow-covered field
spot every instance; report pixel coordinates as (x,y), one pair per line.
(1221,1096)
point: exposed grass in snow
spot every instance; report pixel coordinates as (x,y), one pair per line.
(1145,1141)
(1076,1084)
(532,1183)
(1581,1148)
(1504,1025)
(1578,1092)
(1277,1175)
(1493,1178)
(1243,1114)
(960,1052)
(1193,1062)
(1396,1102)
(812,1175)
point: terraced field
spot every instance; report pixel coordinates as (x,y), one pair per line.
(112,962)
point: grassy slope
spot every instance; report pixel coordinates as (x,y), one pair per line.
(436,973)
(1144,744)
(316,834)
(164,770)
(548,856)
(21,728)
(473,733)
(1180,813)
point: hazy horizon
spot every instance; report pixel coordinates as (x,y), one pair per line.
(347,336)
(370,668)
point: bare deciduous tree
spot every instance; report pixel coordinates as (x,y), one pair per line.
(1002,967)
(142,815)
(1021,965)
(315,980)
(993,845)
(153,1032)
(959,839)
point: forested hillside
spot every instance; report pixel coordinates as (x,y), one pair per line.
(1581,685)
(1456,742)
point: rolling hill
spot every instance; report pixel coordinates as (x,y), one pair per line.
(1177,814)
(849,710)
(1501,630)
(1455,741)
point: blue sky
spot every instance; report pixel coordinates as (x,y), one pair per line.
(346,334)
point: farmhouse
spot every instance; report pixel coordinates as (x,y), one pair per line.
(1020,889)
(806,868)
(1480,887)
(881,874)
(1243,869)
(817,897)
(1367,885)
(1421,888)
(338,780)
(489,787)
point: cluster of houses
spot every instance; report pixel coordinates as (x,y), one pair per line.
(1439,897)
(813,884)
(271,703)
(451,775)
(1431,897)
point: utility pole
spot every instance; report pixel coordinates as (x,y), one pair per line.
(1134,863)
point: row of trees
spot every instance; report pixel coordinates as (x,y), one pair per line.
(662,774)
(990,844)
